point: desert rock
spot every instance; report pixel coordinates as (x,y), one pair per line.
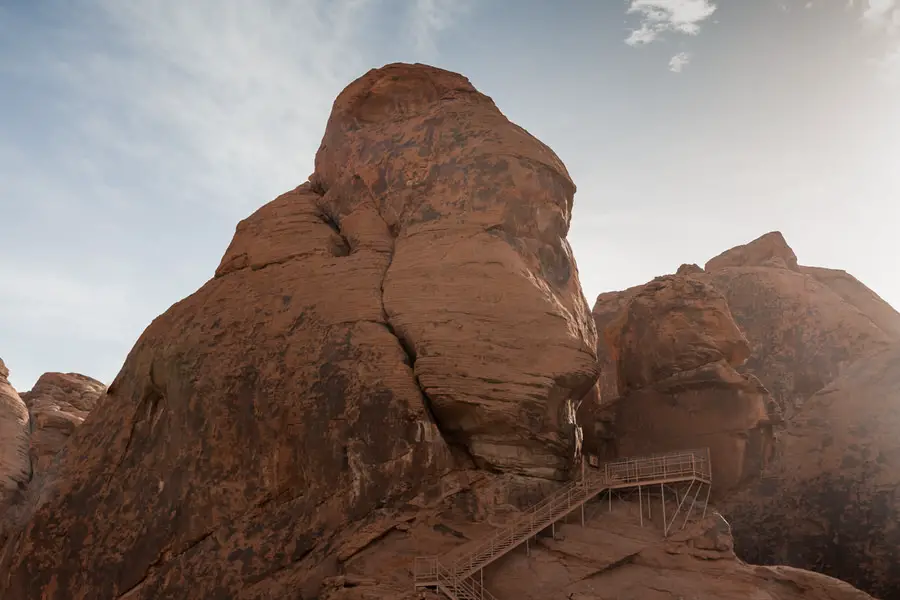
(829,500)
(769,250)
(58,403)
(15,467)
(677,348)
(411,310)
(804,324)
(821,343)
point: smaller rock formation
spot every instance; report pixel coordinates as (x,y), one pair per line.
(58,403)
(15,468)
(676,348)
(803,324)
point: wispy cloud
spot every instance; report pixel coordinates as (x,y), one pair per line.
(882,17)
(678,62)
(661,16)
(431,17)
(154,126)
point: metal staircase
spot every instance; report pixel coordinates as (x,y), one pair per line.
(456,578)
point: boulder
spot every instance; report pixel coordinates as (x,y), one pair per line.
(829,499)
(677,349)
(15,467)
(412,310)
(58,403)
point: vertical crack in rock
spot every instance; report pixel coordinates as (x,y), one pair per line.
(407,345)
(342,245)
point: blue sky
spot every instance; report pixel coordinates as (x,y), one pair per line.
(135,135)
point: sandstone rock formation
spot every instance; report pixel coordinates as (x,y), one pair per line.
(830,499)
(676,349)
(413,309)
(804,324)
(15,468)
(58,403)
(823,502)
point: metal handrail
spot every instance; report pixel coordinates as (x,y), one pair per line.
(631,471)
(471,588)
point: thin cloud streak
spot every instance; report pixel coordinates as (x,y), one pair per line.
(180,118)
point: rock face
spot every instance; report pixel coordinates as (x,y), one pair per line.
(15,468)
(769,250)
(58,403)
(804,324)
(606,309)
(411,310)
(677,349)
(825,346)
(830,499)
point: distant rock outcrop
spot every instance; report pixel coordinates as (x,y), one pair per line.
(15,468)
(58,403)
(804,324)
(413,309)
(769,250)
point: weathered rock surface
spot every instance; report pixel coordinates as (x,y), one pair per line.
(769,250)
(804,324)
(677,349)
(606,309)
(854,292)
(830,499)
(58,403)
(15,468)
(412,309)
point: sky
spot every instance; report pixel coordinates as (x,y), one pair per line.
(134,135)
